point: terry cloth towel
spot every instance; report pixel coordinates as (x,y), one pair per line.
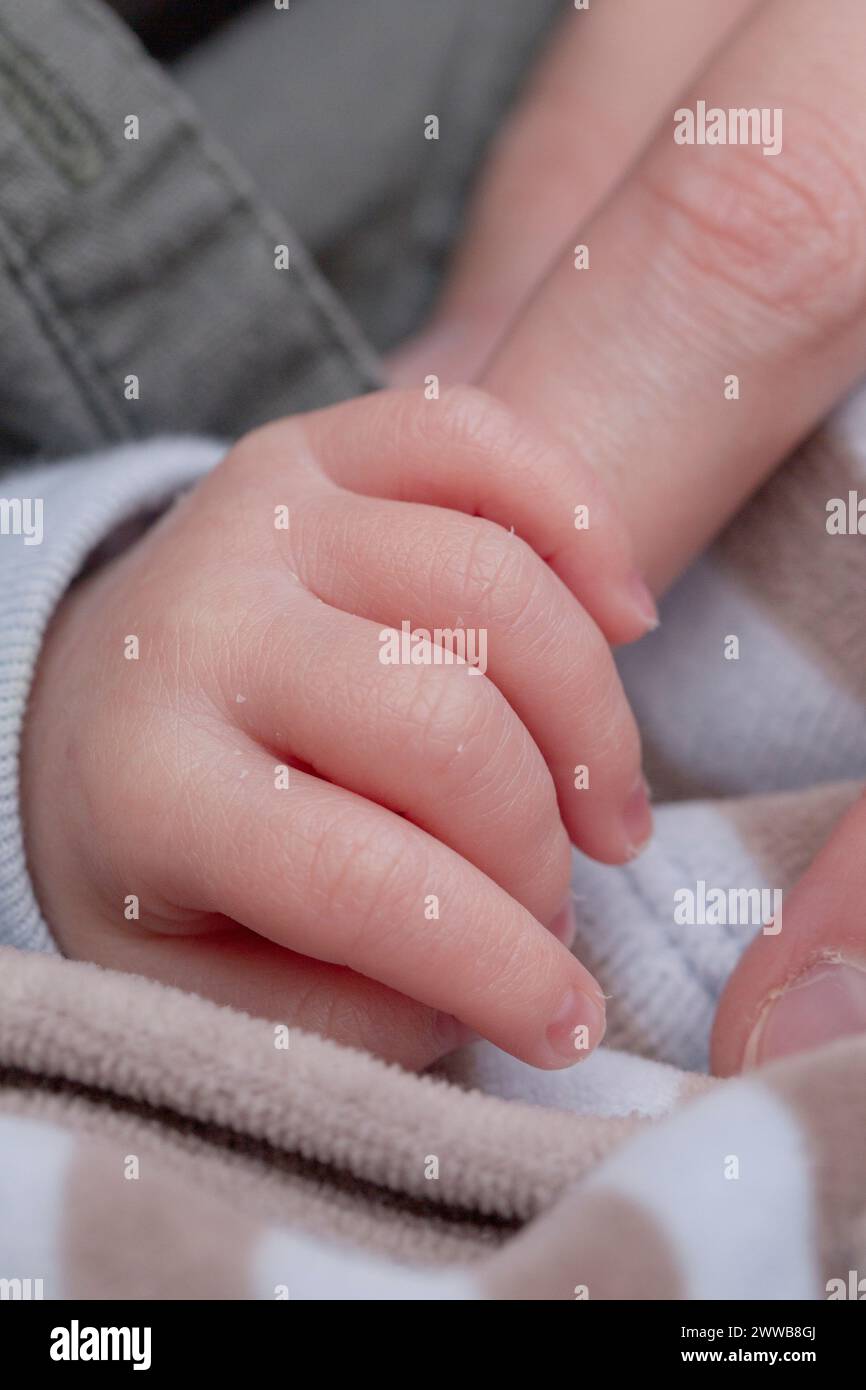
(157,1146)
(152,1144)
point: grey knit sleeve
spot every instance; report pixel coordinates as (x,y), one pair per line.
(51,519)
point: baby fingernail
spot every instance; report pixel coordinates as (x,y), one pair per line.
(826,1003)
(643,601)
(637,817)
(576,1028)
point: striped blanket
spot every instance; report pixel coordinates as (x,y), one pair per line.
(153,1145)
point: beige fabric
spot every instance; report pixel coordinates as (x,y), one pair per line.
(117,1229)
(548,1263)
(318,1126)
(193,1158)
(828,1092)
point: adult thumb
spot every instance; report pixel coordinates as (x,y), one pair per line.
(806,985)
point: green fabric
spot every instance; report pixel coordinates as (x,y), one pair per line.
(334,133)
(151,257)
(154,258)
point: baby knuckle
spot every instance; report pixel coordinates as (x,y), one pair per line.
(375,888)
(190,640)
(473,416)
(243,457)
(511,789)
(498,574)
(455,714)
(501,443)
(346,855)
(515,792)
(787,231)
(518,782)
(263,450)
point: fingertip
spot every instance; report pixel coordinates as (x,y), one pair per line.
(575,1030)
(641,600)
(564,924)
(635,614)
(617,836)
(637,818)
(551,1012)
(624,610)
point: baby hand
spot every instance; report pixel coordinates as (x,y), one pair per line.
(234,781)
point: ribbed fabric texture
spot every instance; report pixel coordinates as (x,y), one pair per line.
(84,501)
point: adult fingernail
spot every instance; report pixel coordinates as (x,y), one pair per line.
(576,1028)
(564,924)
(642,601)
(637,817)
(826,1003)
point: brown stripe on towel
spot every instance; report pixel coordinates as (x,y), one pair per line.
(247,1164)
(152,1049)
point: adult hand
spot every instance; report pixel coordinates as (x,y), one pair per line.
(806,985)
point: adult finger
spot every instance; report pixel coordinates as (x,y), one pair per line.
(722,313)
(591,105)
(805,984)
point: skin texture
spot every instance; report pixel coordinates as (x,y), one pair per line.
(160,777)
(807,985)
(712,260)
(608,78)
(705,261)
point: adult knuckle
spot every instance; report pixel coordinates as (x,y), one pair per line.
(787,231)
